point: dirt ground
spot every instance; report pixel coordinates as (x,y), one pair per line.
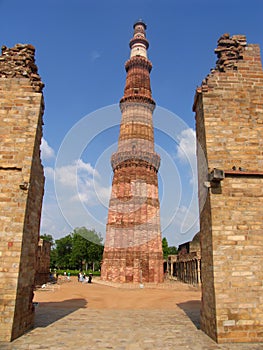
(100,296)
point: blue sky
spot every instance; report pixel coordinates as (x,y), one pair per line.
(81,49)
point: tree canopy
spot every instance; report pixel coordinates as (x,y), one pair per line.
(87,247)
(168,250)
(64,250)
(165,247)
(80,249)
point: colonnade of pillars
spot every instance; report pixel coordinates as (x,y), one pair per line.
(189,271)
(185,270)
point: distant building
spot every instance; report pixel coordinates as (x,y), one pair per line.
(186,266)
(43,262)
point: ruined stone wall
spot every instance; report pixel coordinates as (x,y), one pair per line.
(21,186)
(43,262)
(229,125)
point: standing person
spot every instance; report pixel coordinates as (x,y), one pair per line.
(86,279)
(80,277)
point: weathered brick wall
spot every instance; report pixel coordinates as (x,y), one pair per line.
(21,186)
(43,262)
(229,125)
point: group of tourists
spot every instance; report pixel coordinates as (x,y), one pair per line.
(82,277)
(67,276)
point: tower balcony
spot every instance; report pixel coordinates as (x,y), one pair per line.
(139,40)
(138,61)
(151,159)
(128,101)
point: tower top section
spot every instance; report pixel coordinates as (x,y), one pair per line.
(140,21)
(139,44)
(138,68)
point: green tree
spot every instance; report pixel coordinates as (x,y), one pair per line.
(87,248)
(53,258)
(165,248)
(79,250)
(172,250)
(94,256)
(64,252)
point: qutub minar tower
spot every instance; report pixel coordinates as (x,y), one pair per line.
(133,246)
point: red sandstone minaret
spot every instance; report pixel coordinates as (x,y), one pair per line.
(133,247)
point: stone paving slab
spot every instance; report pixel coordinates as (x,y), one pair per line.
(60,329)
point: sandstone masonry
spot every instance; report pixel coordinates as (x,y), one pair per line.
(133,246)
(188,261)
(229,126)
(21,186)
(43,262)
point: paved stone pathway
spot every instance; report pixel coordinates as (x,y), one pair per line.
(118,330)
(96,329)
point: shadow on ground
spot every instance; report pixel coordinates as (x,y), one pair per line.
(192,310)
(50,312)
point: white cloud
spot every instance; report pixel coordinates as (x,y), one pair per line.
(184,225)
(186,150)
(66,175)
(52,221)
(46,151)
(80,199)
(78,174)
(86,166)
(186,153)
(103,193)
(49,172)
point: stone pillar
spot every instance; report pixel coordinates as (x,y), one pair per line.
(198,271)
(21,186)
(229,126)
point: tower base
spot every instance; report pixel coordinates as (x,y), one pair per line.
(132,265)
